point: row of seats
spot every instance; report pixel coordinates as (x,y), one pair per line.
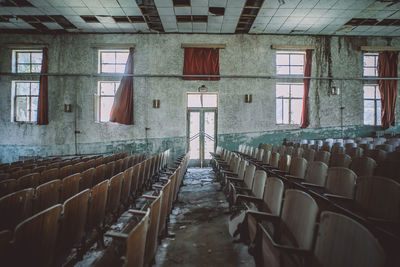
(46,238)
(244,178)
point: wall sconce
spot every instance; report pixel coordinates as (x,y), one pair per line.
(334,90)
(202,88)
(156,103)
(67,108)
(248,98)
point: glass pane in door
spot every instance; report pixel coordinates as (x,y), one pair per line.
(209,133)
(194,135)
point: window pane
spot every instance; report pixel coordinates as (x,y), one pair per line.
(210,101)
(23,57)
(282,59)
(377,93)
(120,68)
(369,112)
(369,91)
(297,59)
(36,68)
(279,107)
(34,115)
(297,90)
(282,90)
(23,68)
(369,61)
(35,101)
(122,57)
(369,72)
(283,70)
(378,113)
(106,88)
(37,58)
(194,100)
(21,109)
(297,107)
(108,68)
(286,111)
(22,88)
(107,57)
(297,70)
(106,105)
(34,88)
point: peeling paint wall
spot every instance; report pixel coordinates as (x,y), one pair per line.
(238,122)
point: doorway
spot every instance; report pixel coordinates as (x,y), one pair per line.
(202,110)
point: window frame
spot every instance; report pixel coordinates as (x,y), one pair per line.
(30,96)
(115,51)
(289,53)
(375,100)
(375,66)
(289,98)
(15,63)
(100,96)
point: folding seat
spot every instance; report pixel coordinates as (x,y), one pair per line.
(326,146)
(135,180)
(87,179)
(70,186)
(19,173)
(246,182)
(316,174)
(336,233)
(240,174)
(315,147)
(97,209)
(282,150)
(340,182)
(49,175)
(309,154)
(256,190)
(289,150)
(298,152)
(356,152)
(99,174)
(349,146)
(64,163)
(323,156)
(376,154)
(386,147)
(80,167)
(4,176)
(117,166)
(366,146)
(340,160)
(39,169)
(47,195)
(110,169)
(166,195)
(7,187)
(298,167)
(284,163)
(114,194)
(28,181)
(65,171)
(126,187)
(4,166)
(135,240)
(72,230)
(274,161)
(98,161)
(55,165)
(15,208)
(233,167)
(146,172)
(266,158)
(177,184)
(91,163)
(363,166)
(293,228)
(5,247)
(124,164)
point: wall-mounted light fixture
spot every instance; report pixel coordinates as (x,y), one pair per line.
(156,103)
(334,90)
(67,108)
(248,98)
(202,88)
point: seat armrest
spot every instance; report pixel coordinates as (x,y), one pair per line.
(339,198)
(248,198)
(292,177)
(116,235)
(263,216)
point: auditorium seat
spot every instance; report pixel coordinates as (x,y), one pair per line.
(256,189)
(323,156)
(47,195)
(340,182)
(355,152)
(315,174)
(114,195)
(109,170)
(166,195)
(17,206)
(49,175)
(66,171)
(135,179)
(7,187)
(70,186)
(340,160)
(297,167)
(99,174)
(363,166)
(28,181)
(126,187)
(309,155)
(86,179)
(247,181)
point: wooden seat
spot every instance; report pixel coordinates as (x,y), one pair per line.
(247,182)
(166,194)
(17,207)
(355,152)
(114,194)
(363,166)
(99,174)
(315,175)
(19,173)
(323,156)
(87,179)
(49,175)
(80,167)
(126,186)
(39,169)
(47,195)
(378,155)
(298,167)
(72,231)
(4,176)
(135,180)
(142,172)
(295,228)
(109,170)
(55,165)
(35,238)
(309,154)
(5,247)
(70,186)
(7,187)
(340,160)
(256,190)
(135,240)
(341,181)
(28,181)
(66,171)
(274,160)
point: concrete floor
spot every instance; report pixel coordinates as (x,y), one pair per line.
(200,224)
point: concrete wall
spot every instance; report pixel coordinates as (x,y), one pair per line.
(238,122)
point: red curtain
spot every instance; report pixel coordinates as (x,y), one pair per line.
(387,68)
(307,73)
(122,109)
(43,105)
(201,61)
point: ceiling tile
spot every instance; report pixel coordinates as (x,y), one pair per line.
(132,11)
(165,11)
(66,11)
(236,3)
(82,11)
(115,11)
(99,11)
(267,12)
(283,12)
(307,3)
(197,2)
(200,10)
(217,3)
(183,10)
(53,26)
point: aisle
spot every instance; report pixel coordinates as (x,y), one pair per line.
(200,223)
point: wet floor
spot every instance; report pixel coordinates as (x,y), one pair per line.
(200,224)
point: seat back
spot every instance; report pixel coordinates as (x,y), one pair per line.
(336,234)
(126,186)
(274,162)
(5,247)
(47,195)
(65,171)
(136,243)
(166,194)
(298,152)
(49,175)
(298,167)
(273,195)
(340,160)
(28,181)
(152,236)
(316,173)
(267,157)
(99,174)
(259,183)
(341,181)
(7,187)
(378,155)
(249,175)
(87,179)
(355,152)
(15,208)
(284,163)
(36,237)
(70,186)
(260,154)
(378,197)
(19,173)
(323,156)
(109,169)
(242,168)
(135,179)
(363,166)
(114,193)
(97,205)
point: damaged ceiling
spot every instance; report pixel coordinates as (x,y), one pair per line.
(322,17)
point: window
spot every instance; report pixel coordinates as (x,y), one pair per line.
(289,103)
(26,97)
(112,61)
(106,95)
(372,105)
(290,63)
(370,63)
(202,100)
(27,61)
